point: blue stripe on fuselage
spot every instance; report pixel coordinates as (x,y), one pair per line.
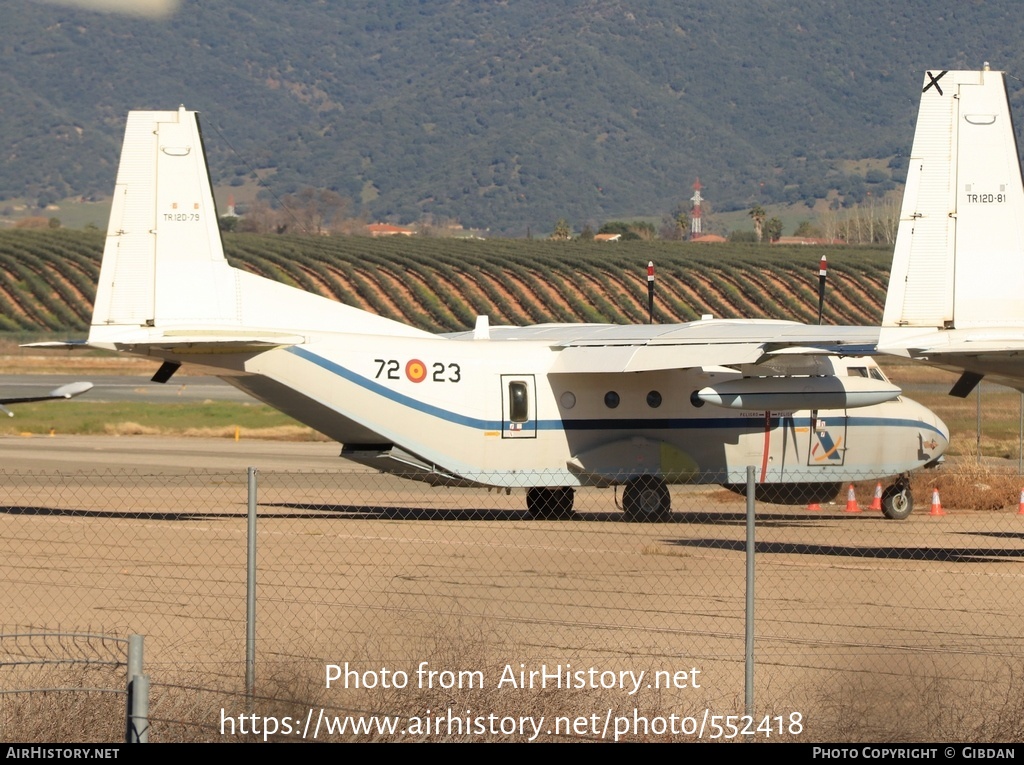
(603,423)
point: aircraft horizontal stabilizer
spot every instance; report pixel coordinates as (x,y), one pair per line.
(65,391)
(70,345)
(202,342)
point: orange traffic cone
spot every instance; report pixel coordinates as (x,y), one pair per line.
(876,501)
(936,504)
(1020,507)
(851,501)
(815,507)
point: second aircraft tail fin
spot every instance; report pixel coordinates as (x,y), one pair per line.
(959,256)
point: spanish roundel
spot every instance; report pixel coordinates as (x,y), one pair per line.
(416,370)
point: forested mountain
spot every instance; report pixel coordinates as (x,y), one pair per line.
(501,114)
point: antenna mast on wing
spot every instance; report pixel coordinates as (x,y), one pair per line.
(650,292)
(822,276)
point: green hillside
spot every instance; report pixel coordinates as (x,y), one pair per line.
(500,115)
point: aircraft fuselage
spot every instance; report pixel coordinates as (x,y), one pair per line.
(488,412)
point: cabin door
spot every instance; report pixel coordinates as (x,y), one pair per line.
(518,406)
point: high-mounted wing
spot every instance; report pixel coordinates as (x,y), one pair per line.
(780,347)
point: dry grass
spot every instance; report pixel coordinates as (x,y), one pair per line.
(851,707)
(969,483)
(276,433)
(928,706)
(868,709)
(130,429)
(64,363)
(65,712)
(183,709)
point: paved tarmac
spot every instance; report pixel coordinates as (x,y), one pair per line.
(166,453)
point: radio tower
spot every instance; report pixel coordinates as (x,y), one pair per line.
(695,213)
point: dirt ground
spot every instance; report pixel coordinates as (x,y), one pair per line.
(148,536)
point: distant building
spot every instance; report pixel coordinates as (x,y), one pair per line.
(607,237)
(807,240)
(386,229)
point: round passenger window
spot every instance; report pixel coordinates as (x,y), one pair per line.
(611,399)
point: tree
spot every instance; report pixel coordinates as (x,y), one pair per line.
(758,214)
(623,229)
(644,230)
(805,229)
(742,236)
(682,219)
(562,230)
(314,211)
(259,219)
(773,229)
(674,227)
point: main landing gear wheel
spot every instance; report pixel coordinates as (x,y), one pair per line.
(898,501)
(550,504)
(647,499)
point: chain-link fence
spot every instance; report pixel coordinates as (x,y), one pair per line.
(448,611)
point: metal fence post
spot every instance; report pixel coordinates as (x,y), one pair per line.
(250,593)
(137,704)
(140,710)
(748,656)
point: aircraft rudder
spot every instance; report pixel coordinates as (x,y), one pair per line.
(989,246)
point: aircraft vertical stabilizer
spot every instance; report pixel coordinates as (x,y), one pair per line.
(165,233)
(164,270)
(959,255)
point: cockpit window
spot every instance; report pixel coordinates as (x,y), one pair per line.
(876,374)
(857,371)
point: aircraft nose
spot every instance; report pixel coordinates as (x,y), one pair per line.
(932,432)
(936,440)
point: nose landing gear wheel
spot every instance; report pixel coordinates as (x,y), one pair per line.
(897,501)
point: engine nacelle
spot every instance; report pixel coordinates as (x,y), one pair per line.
(783,393)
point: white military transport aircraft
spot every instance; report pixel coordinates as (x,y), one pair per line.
(956,290)
(547,408)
